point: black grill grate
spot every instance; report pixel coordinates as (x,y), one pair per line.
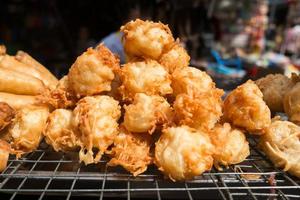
(45,174)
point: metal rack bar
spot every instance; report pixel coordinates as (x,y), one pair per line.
(48,183)
(227,184)
(23,181)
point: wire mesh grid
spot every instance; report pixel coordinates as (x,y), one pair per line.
(45,174)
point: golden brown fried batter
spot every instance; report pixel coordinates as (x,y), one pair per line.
(26,129)
(58,131)
(291,104)
(231,146)
(17,101)
(18,83)
(281,143)
(190,80)
(92,72)
(175,58)
(199,110)
(146,39)
(7,114)
(60,97)
(131,151)
(4,154)
(244,107)
(96,120)
(182,153)
(45,75)
(274,87)
(147,77)
(146,112)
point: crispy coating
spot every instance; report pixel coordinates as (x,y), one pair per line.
(175,58)
(10,62)
(291,104)
(190,80)
(17,101)
(96,120)
(147,77)
(281,143)
(4,154)
(231,146)
(26,129)
(274,87)
(60,97)
(131,151)
(58,131)
(244,107)
(44,74)
(93,72)
(146,39)
(146,112)
(199,110)
(7,114)
(19,83)
(182,153)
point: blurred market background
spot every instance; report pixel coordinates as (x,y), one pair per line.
(233,40)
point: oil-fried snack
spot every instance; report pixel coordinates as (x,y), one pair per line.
(190,80)
(202,110)
(58,131)
(291,104)
(182,153)
(45,75)
(26,129)
(244,107)
(96,120)
(17,101)
(281,143)
(231,146)
(4,154)
(17,83)
(146,39)
(274,87)
(175,58)
(60,97)
(7,114)
(93,72)
(146,112)
(10,62)
(147,77)
(131,151)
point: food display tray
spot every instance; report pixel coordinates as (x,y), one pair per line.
(44,174)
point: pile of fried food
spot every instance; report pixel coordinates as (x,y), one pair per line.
(155,109)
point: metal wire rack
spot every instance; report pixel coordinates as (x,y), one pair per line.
(45,174)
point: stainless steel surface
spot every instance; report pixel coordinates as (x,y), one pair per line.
(45,173)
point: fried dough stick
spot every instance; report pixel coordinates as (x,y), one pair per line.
(17,83)
(10,62)
(18,101)
(46,76)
